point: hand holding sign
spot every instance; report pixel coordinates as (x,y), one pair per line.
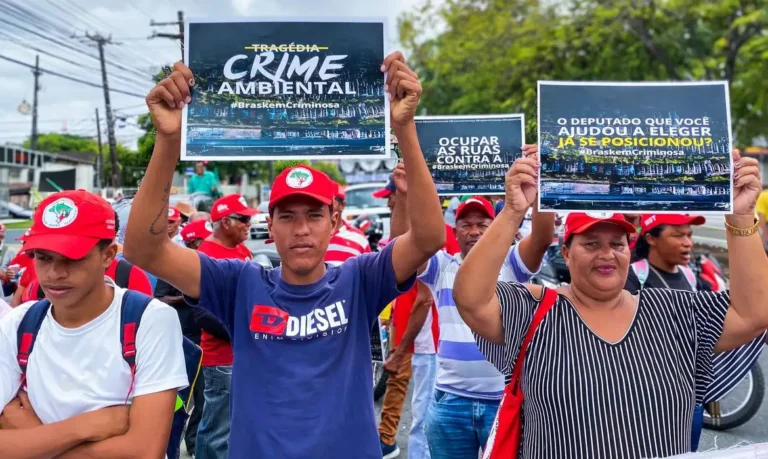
(521,184)
(403,87)
(746,184)
(166,100)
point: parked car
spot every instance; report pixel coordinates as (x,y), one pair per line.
(16,211)
(360,201)
(259,222)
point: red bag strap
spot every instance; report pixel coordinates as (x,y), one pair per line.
(548,300)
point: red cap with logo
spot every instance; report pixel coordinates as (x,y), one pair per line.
(174,214)
(71,223)
(231,204)
(198,229)
(475,203)
(302,181)
(579,222)
(651,221)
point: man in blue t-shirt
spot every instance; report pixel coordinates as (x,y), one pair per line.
(301,378)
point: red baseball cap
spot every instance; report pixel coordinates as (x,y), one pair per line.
(174,214)
(579,222)
(71,223)
(476,203)
(24,236)
(231,204)
(387,190)
(651,221)
(340,193)
(198,229)
(302,181)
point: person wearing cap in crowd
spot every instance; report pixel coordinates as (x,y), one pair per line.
(204,181)
(7,274)
(174,224)
(389,193)
(230,226)
(663,251)
(6,252)
(301,331)
(468,389)
(77,364)
(15,272)
(193,234)
(414,334)
(630,369)
(346,241)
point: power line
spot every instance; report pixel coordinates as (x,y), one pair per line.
(71,78)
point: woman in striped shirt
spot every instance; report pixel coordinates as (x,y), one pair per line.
(610,374)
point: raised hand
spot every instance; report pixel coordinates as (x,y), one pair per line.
(403,89)
(747,184)
(521,184)
(398,176)
(166,100)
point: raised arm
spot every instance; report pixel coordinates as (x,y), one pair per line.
(474,289)
(427,229)
(399,223)
(747,316)
(146,239)
(535,245)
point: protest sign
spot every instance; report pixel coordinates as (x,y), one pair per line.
(635,147)
(470,154)
(271,89)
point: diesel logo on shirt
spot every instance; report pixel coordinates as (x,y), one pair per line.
(269,322)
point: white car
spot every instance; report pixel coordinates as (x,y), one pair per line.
(360,201)
(259,222)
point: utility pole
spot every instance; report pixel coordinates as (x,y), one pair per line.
(173,36)
(101,153)
(36,72)
(100,42)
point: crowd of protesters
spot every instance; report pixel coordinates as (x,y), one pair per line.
(617,364)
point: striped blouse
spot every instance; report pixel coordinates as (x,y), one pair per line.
(588,398)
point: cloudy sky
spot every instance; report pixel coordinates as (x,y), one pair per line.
(55,29)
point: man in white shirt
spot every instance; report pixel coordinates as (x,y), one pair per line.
(76,365)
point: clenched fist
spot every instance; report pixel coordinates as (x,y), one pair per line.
(522,180)
(166,100)
(403,89)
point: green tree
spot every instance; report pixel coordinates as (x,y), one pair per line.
(489,54)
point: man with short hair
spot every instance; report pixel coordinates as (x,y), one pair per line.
(77,365)
(204,181)
(301,386)
(231,224)
(468,389)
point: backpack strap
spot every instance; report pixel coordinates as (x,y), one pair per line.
(690,276)
(641,268)
(123,273)
(549,298)
(27,334)
(133,307)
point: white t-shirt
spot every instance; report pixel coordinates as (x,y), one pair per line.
(75,371)
(5,308)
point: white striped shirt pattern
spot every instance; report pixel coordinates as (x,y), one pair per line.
(591,399)
(462,370)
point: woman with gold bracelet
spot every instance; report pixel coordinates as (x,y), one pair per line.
(609,374)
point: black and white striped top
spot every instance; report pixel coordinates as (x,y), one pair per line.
(587,398)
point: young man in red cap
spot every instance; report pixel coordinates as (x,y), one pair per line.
(77,363)
(468,387)
(301,383)
(231,223)
(174,222)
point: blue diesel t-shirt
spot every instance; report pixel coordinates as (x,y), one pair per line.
(301,379)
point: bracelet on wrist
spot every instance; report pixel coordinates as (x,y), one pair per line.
(742,231)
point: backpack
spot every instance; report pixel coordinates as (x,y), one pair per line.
(133,307)
(642,269)
(34,290)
